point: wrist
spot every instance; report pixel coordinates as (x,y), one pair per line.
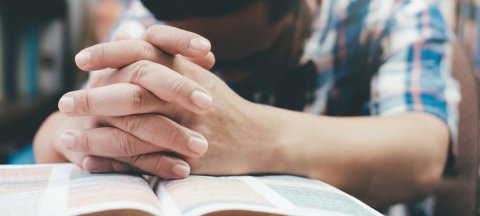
(273,152)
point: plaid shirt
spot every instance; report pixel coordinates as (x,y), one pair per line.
(468,30)
(384,57)
(370,57)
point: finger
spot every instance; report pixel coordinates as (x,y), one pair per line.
(106,142)
(206,62)
(118,54)
(177,41)
(103,165)
(156,164)
(163,132)
(161,165)
(113,100)
(164,83)
(107,76)
(92,81)
(168,85)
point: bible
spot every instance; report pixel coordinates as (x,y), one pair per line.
(66,189)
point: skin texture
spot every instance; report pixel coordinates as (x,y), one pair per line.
(161,109)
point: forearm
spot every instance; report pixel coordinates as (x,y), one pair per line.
(381,160)
(46,139)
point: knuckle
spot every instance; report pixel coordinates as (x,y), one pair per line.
(145,50)
(137,98)
(134,162)
(125,145)
(159,164)
(180,42)
(174,136)
(131,123)
(177,87)
(138,71)
(86,102)
(87,144)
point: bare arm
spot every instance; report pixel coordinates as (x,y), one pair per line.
(381,160)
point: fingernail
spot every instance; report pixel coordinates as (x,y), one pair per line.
(197,145)
(181,170)
(66,104)
(83,58)
(91,165)
(201,99)
(199,43)
(67,139)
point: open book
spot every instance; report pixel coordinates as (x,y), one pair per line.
(65,189)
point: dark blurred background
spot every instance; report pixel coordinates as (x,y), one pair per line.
(38,42)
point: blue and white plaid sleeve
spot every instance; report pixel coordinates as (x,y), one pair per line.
(416,73)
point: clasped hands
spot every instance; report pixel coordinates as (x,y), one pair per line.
(153,107)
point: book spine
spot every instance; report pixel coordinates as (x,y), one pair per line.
(2,62)
(476,27)
(10,52)
(51,47)
(20,74)
(31,61)
(27,63)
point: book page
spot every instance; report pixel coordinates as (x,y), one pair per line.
(314,196)
(197,195)
(67,190)
(284,195)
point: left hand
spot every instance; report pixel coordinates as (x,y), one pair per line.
(137,90)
